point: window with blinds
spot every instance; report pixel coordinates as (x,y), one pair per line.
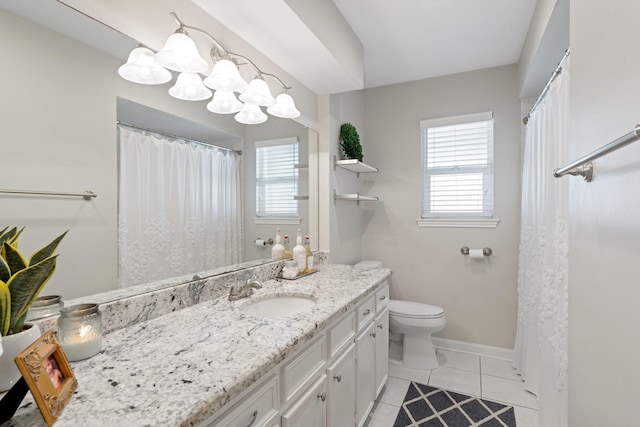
(277,178)
(457,166)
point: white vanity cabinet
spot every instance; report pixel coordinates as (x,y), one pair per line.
(310,410)
(258,408)
(341,389)
(372,352)
(330,382)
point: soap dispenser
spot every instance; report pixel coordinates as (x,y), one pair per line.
(277,251)
(299,253)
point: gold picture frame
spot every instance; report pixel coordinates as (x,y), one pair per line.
(47,372)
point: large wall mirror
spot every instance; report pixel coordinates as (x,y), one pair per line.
(60,118)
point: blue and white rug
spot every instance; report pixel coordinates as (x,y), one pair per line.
(426,406)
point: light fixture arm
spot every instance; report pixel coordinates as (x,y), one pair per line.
(224,52)
(184,26)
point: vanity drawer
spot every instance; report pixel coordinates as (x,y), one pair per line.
(382,298)
(341,334)
(259,408)
(365,311)
(297,374)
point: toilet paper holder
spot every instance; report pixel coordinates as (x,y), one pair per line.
(485,251)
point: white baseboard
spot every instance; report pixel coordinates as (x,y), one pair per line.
(477,349)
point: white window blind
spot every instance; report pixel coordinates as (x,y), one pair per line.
(457,166)
(277,178)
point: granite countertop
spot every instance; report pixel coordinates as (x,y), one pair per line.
(180,368)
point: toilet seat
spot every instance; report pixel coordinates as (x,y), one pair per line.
(414,310)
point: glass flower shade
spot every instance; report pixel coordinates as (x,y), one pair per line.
(181,54)
(258,93)
(189,87)
(141,67)
(224,102)
(225,76)
(251,114)
(284,107)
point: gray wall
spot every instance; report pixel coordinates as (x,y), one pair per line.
(346,225)
(58,134)
(479,298)
(604,222)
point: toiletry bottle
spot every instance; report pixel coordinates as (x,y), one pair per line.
(287,249)
(299,253)
(309,255)
(277,251)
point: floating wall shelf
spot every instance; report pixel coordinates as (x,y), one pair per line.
(353,197)
(354,165)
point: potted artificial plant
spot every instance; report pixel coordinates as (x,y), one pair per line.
(350,142)
(21,281)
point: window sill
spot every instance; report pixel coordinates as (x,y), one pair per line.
(458,222)
(277,220)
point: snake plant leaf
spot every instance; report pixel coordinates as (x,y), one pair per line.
(5,271)
(14,258)
(10,235)
(5,308)
(47,251)
(24,287)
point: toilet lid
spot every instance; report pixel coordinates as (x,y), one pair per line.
(414,310)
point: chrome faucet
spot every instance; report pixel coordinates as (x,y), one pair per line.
(245,290)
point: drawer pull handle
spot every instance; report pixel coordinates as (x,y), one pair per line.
(338,377)
(380,326)
(322,396)
(253,420)
(373,334)
(383,297)
(367,312)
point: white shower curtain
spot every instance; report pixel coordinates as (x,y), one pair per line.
(179,207)
(541,339)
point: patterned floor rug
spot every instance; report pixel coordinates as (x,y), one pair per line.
(426,406)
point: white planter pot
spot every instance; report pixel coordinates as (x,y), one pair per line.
(12,345)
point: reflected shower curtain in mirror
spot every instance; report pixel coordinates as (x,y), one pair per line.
(541,339)
(179,207)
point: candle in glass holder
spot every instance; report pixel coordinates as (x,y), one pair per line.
(80,331)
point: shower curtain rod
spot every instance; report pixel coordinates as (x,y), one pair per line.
(557,71)
(239,152)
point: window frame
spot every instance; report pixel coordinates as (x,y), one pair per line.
(457,219)
(263,216)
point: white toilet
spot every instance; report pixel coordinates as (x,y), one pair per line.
(410,327)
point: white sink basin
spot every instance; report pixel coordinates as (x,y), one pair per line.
(276,306)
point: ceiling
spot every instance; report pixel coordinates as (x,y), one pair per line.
(407,40)
(331,46)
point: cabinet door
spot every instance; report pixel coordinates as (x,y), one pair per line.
(310,409)
(341,390)
(365,369)
(382,350)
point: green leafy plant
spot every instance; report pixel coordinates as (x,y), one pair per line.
(350,142)
(20,280)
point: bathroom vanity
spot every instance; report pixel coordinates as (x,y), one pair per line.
(230,363)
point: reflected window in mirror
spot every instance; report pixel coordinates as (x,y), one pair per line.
(277,178)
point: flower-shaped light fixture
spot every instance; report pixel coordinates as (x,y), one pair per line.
(180,54)
(251,114)
(142,68)
(189,87)
(224,102)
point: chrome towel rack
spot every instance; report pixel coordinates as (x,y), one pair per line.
(87,195)
(583,165)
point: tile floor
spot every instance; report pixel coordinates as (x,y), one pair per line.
(484,377)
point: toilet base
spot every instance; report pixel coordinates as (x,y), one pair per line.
(414,352)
